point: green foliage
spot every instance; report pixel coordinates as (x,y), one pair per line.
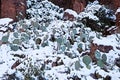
(87,60)
(63,48)
(35,24)
(101,59)
(74,31)
(44,44)
(91,38)
(97,55)
(59,40)
(83,37)
(104,58)
(14,47)
(17,41)
(5,39)
(100,63)
(16,34)
(68,45)
(80,45)
(25,36)
(77,65)
(43,28)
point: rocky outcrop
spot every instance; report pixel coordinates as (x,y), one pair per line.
(15,9)
(79,5)
(112,4)
(118,21)
(102,48)
(76,5)
(69,15)
(66,4)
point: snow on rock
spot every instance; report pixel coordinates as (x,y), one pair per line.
(70,15)
(90,10)
(4,21)
(71,12)
(109,40)
(92,7)
(118,10)
(105,44)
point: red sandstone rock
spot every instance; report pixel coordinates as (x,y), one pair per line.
(14,9)
(118,22)
(102,48)
(116,4)
(76,5)
(112,4)
(70,15)
(66,4)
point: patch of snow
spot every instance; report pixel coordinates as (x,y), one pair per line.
(90,15)
(109,40)
(71,12)
(118,10)
(6,21)
(93,7)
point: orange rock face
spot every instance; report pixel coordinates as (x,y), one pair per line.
(15,9)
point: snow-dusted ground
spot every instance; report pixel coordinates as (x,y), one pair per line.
(5,21)
(45,47)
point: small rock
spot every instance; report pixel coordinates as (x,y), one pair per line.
(38,41)
(69,15)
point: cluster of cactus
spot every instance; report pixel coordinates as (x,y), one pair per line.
(101,59)
(87,60)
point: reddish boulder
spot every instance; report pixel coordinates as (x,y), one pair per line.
(69,15)
(102,48)
(15,9)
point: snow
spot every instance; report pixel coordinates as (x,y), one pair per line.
(5,21)
(71,12)
(108,41)
(118,10)
(39,56)
(90,10)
